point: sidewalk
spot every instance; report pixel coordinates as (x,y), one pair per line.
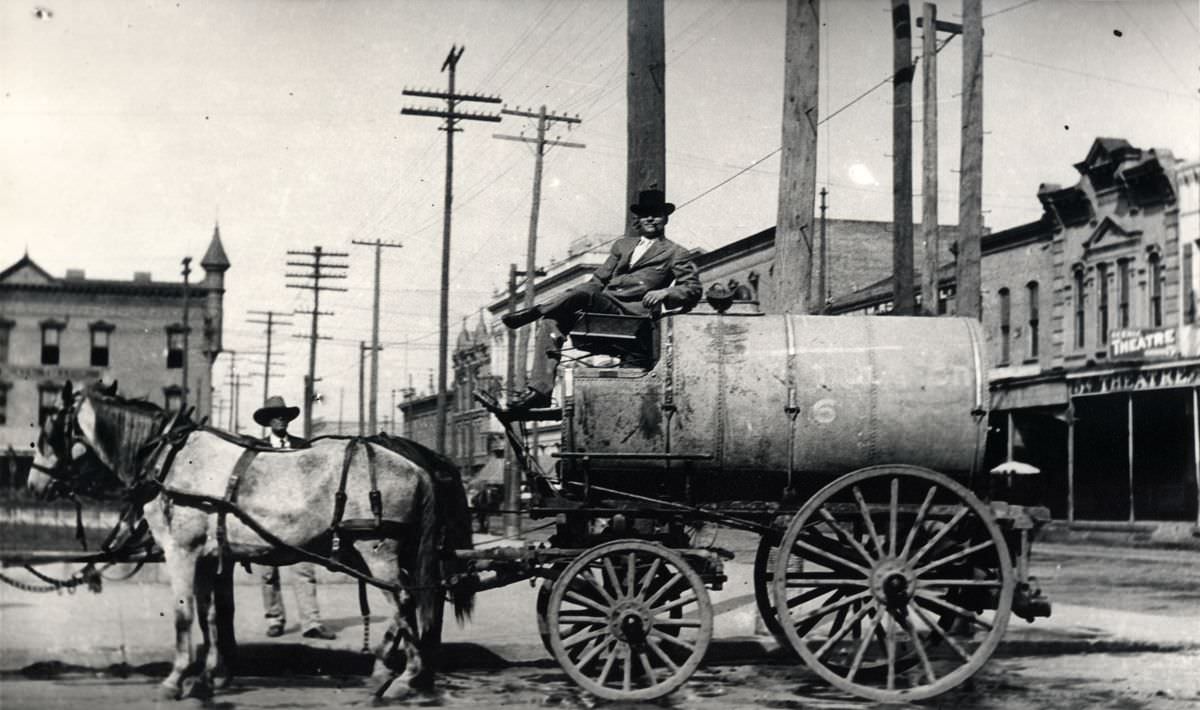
(130,622)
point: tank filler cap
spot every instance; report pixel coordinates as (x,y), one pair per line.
(719,297)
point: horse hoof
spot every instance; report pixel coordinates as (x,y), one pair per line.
(168,692)
(397,690)
(195,688)
(379,683)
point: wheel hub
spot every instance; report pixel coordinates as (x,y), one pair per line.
(892,582)
(630,622)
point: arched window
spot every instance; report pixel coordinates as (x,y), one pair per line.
(1080,312)
(1031,295)
(1102,303)
(1005,326)
(1154,273)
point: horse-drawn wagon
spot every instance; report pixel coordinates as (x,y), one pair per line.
(852,447)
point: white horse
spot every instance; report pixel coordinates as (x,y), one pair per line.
(211,498)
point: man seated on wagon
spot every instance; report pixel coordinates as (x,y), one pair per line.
(639,275)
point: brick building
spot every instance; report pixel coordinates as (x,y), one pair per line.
(1090,317)
(54,330)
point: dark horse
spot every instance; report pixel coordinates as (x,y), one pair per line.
(400,509)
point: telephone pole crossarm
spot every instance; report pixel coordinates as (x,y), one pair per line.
(451,116)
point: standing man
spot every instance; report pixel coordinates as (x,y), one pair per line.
(275,415)
(639,275)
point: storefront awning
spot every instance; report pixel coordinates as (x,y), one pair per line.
(1027,395)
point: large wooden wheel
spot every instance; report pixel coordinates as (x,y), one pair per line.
(893,583)
(764,585)
(629,620)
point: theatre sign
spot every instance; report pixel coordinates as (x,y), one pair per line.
(1143,344)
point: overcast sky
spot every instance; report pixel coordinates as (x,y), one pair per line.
(128,128)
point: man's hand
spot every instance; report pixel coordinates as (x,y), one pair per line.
(653,298)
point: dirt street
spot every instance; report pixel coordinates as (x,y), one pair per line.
(1087,672)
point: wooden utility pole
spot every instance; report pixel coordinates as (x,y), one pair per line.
(319,270)
(823,269)
(903,296)
(929,161)
(539,144)
(362,349)
(232,389)
(515,372)
(452,116)
(273,319)
(794,264)
(968,298)
(373,411)
(645,92)
(187,270)
(929,155)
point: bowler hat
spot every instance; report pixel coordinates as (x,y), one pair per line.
(652,203)
(275,407)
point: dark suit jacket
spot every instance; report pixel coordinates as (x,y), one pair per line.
(664,262)
(294,442)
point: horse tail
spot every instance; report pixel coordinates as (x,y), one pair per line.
(425,568)
(455,514)
(452,516)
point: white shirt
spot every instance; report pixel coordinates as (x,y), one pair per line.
(278,442)
(640,250)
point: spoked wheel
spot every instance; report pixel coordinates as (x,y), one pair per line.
(764,585)
(629,620)
(894,583)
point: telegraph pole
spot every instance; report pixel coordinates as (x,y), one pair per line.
(929,152)
(237,401)
(374,408)
(392,415)
(187,270)
(970,192)
(452,116)
(793,270)
(317,270)
(233,389)
(272,319)
(645,93)
(822,273)
(929,160)
(903,297)
(540,143)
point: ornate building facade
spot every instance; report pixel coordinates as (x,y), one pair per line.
(72,328)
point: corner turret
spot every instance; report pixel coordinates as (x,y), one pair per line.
(215,264)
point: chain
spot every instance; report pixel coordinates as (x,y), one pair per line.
(89,575)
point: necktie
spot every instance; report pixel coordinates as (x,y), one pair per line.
(640,250)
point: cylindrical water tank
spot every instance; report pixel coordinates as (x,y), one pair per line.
(760,397)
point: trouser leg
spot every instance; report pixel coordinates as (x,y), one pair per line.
(553,328)
(303,579)
(547,352)
(273,608)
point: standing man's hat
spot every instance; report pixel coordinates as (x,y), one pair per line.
(275,407)
(652,203)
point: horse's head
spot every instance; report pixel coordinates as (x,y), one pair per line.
(68,458)
(55,449)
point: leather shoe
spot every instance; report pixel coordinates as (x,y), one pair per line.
(320,632)
(516,319)
(275,631)
(529,399)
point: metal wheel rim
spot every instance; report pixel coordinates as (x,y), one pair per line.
(904,578)
(596,654)
(764,594)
